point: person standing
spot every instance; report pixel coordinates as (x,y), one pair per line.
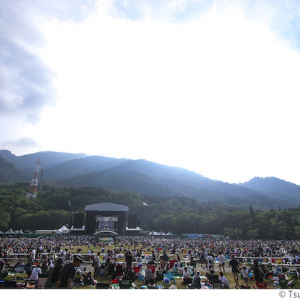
(32,254)
(67,274)
(96,264)
(221,259)
(245,274)
(53,279)
(205,254)
(210,261)
(234,264)
(128,258)
(258,272)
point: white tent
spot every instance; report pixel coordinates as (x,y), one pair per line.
(62,230)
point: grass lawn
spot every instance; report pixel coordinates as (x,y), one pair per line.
(203,271)
(139,283)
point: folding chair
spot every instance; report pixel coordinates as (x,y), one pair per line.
(212,277)
(217,284)
(115,281)
(119,270)
(152,268)
(162,264)
(125,284)
(101,285)
(136,271)
(193,263)
(283,283)
(172,262)
(110,269)
(159,276)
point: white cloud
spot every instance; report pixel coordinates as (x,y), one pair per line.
(216,94)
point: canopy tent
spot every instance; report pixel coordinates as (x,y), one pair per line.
(10,231)
(170,233)
(62,230)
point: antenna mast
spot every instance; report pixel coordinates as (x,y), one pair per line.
(32,190)
(40,187)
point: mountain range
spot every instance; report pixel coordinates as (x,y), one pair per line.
(146,178)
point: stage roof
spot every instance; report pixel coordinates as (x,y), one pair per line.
(106,207)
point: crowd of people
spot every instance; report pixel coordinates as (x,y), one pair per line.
(60,257)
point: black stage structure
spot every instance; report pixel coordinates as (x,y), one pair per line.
(106,216)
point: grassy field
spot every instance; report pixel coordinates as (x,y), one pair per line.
(202,270)
(139,283)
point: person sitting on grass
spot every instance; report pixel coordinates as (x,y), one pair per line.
(186,276)
(190,269)
(78,279)
(151,284)
(224,281)
(197,281)
(148,275)
(175,270)
(36,271)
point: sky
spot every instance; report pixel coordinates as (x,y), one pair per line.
(210,86)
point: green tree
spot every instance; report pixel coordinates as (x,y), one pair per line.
(4,220)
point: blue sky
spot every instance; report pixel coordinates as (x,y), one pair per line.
(211,86)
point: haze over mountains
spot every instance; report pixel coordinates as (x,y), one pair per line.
(146,178)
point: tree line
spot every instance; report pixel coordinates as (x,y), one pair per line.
(55,207)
